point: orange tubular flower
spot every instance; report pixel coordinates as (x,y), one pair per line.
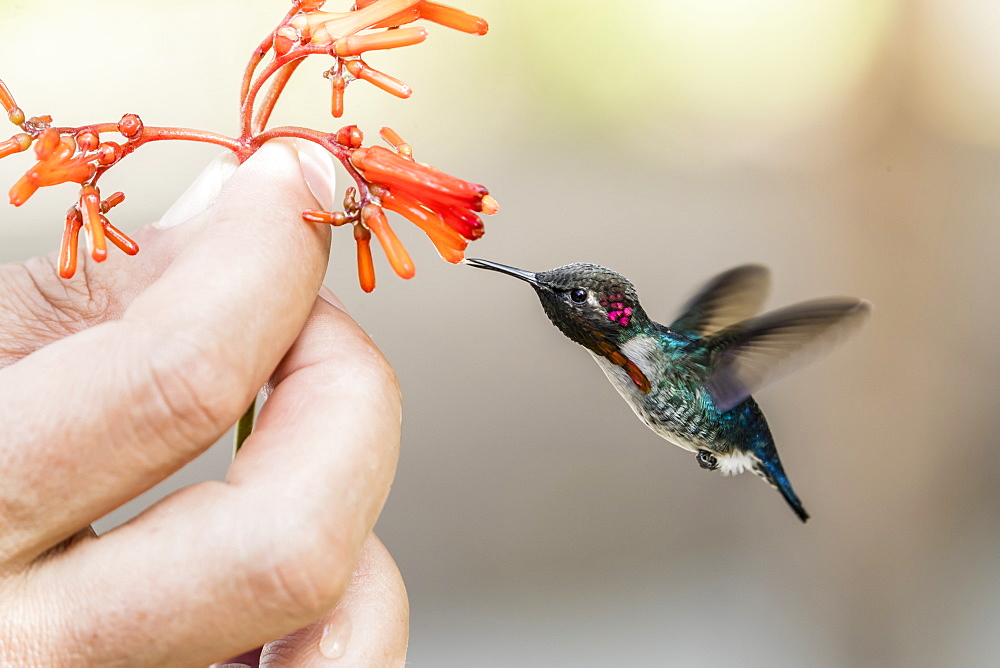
(453,18)
(343,33)
(390,84)
(366,267)
(443,206)
(16,144)
(88,215)
(455,200)
(450,244)
(446,208)
(90,207)
(58,162)
(449,17)
(355,45)
(373,218)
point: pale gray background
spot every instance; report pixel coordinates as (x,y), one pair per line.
(852,145)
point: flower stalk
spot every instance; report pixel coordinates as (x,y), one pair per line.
(445,207)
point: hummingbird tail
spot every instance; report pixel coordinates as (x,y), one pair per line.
(775,474)
(793,501)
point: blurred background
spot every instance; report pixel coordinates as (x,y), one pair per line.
(851,145)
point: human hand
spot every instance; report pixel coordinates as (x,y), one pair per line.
(113,380)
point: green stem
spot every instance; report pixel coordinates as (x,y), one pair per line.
(244,427)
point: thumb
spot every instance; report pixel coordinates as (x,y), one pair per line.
(317,170)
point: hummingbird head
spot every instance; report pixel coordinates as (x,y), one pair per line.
(590,304)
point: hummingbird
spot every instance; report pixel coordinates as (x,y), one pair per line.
(691,381)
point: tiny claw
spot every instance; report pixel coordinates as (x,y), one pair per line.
(707,460)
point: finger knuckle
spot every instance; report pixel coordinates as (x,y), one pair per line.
(195,388)
(50,304)
(372,375)
(305,570)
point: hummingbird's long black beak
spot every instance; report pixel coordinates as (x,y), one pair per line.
(503,269)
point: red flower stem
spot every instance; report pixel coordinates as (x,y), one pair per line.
(255,58)
(259,53)
(187,134)
(151,134)
(96,127)
(246,110)
(272,95)
(249,101)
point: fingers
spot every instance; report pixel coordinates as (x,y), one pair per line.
(37,306)
(127,402)
(218,568)
(369,627)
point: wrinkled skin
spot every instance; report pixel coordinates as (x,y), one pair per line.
(113,380)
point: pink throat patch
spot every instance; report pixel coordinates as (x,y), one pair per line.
(617,311)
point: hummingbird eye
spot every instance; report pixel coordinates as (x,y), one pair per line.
(578,295)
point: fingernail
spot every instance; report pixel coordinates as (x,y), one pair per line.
(326,294)
(201,193)
(318,172)
(333,644)
(230,665)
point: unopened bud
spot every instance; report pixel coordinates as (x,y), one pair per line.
(87,140)
(130,126)
(350,136)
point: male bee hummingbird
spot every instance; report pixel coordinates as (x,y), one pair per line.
(691,381)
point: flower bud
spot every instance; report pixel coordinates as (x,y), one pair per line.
(130,126)
(87,140)
(16,144)
(350,136)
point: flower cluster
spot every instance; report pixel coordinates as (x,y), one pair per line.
(75,157)
(372,25)
(443,206)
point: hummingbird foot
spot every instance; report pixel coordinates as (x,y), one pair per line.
(707,460)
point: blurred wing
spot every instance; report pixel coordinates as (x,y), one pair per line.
(752,353)
(729,297)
